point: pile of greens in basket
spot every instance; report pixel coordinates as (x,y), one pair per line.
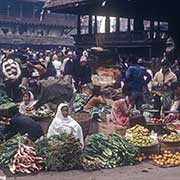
(111,151)
(60,153)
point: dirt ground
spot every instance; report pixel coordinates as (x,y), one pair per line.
(143,171)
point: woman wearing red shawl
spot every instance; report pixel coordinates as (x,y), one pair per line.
(121,110)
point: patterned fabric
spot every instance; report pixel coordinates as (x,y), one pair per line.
(117,115)
(11,69)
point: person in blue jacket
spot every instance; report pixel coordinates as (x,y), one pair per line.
(136,79)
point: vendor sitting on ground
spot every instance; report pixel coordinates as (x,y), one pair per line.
(21,124)
(63,123)
(27,103)
(175,87)
(95,99)
(164,77)
(122,109)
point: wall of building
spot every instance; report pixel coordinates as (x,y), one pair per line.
(24,18)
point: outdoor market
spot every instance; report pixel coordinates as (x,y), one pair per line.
(91,106)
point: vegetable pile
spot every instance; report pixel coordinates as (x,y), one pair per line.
(173,137)
(111,151)
(5,99)
(44,111)
(137,129)
(166,159)
(18,157)
(7,105)
(172,117)
(61,152)
(8,149)
(142,141)
(26,160)
(156,121)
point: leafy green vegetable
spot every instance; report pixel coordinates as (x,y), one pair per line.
(61,152)
(107,152)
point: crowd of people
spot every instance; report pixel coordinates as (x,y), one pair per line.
(23,70)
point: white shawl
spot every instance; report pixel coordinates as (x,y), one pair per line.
(60,124)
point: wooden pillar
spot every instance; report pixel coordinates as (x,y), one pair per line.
(129,24)
(117,24)
(152,28)
(79,25)
(95,25)
(90,25)
(107,25)
(158,30)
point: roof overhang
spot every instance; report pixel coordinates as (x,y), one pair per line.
(155,9)
(72,6)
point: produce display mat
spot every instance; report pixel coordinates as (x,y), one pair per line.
(164,166)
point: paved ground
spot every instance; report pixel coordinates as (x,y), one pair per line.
(143,171)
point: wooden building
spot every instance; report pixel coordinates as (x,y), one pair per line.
(131,26)
(22,24)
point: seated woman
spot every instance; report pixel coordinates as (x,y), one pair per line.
(63,123)
(121,110)
(95,100)
(27,103)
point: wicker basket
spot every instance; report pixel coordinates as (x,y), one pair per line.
(45,123)
(155,149)
(85,120)
(171,146)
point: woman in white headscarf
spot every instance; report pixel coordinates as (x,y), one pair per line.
(27,103)
(63,123)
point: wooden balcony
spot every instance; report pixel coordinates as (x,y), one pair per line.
(35,21)
(120,39)
(35,40)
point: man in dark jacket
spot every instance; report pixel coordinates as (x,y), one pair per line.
(84,72)
(135,81)
(24,125)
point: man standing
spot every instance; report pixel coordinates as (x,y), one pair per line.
(136,79)
(84,75)
(67,67)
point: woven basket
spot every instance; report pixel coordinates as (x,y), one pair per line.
(45,123)
(148,150)
(85,120)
